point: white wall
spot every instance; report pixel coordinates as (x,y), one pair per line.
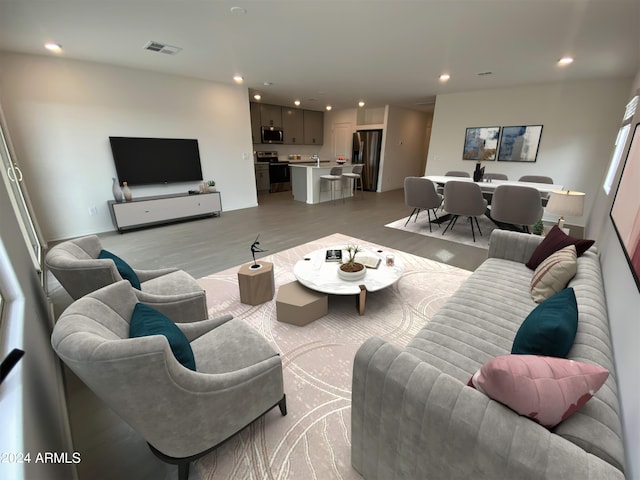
(623,304)
(60,114)
(580,121)
(405,147)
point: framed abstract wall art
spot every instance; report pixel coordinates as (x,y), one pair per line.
(625,211)
(481,143)
(519,143)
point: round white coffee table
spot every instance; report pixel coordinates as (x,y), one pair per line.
(316,273)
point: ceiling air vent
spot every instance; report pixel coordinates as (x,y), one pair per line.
(162,48)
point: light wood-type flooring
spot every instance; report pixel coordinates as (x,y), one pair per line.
(110,450)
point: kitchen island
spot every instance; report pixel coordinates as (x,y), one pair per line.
(306,187)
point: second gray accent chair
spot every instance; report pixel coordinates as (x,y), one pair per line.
(420,193)
(457,173)
(516,205)
(464,199)
(182,414)
(495,176)
(75,264)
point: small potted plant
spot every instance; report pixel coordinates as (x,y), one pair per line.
(350,269)
(212,185)
(538,227)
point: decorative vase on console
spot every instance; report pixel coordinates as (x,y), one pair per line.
(126,192)
(478,173)
(117,191)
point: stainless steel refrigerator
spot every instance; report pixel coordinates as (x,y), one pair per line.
(366,150)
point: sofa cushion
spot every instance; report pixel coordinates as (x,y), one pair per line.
(553,274)
(147,321)
(554,241)
(125,271)
(550,328)
(545,389)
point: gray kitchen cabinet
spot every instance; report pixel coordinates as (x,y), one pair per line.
(292,120)
(262,178)
(270,116)
(313,127)
(254,109)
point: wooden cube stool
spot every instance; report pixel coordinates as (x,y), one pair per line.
(299,305)
(256,284)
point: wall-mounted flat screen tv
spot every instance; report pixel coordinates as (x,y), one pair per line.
(145,161)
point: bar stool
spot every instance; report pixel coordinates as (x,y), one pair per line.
(356,176)
(335,175)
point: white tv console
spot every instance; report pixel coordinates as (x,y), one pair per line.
(146,211)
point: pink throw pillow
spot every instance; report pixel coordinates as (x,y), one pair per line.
(545,389)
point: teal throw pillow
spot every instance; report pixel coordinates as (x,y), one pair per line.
(550,328)
(125,271)
(147,321)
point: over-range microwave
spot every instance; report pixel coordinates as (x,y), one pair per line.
(272,135)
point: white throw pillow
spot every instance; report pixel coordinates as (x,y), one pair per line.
(554,273)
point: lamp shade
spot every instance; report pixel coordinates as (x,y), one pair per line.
(565,203)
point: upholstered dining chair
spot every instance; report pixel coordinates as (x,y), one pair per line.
(495,176)
(183,386)
(538,179)
(516,205)
(334,175)
(356,176)
(82,266)
(464,198)
(420,193)
(457,173)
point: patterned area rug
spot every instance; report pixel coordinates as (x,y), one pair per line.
(461,233)
(313,440)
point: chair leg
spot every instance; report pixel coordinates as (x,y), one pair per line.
(282,404)
(429,216)
(450,224)
(183,471)
(435,214)
(414,211)
(478,225)
(473,233)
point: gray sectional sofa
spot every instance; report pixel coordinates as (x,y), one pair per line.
(414,417)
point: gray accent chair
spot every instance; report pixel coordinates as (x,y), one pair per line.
(420,193)
(464,198)
(75,264)
(516,207)
(182,414)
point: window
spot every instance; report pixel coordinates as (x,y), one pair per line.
(12,176)
(621,140)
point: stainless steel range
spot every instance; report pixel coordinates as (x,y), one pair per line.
(279,176)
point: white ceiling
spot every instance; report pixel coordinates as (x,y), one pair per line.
(339,52)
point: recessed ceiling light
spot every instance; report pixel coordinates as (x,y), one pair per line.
(238,10)
(361,103)
(445,77)
(238,79)
(267,84)
(565,61)
(257,96)
(53,47)
(297,103)
(328,107)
